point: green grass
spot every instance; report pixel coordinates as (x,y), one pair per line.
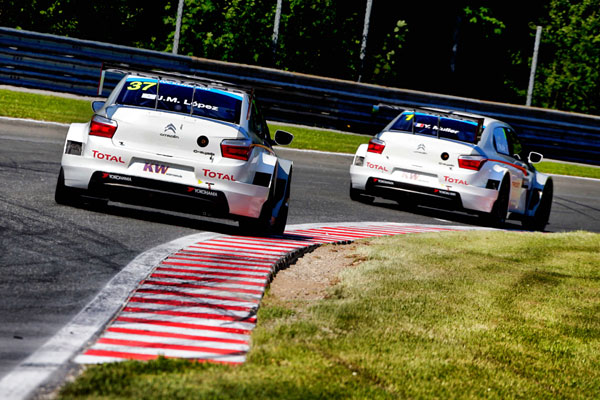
(43,107)
(551,167)
(67,110)
(467,315)
(323,140)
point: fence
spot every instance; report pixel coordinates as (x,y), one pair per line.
(55,63)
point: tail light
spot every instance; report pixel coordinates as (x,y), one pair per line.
(104,127)
(376,146)
(471,162)
(237,149)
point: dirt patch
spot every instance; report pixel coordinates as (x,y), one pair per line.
(312,275)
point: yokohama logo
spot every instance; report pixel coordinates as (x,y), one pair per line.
(201,191)
(116,177)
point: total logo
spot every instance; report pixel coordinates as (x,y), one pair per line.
(449,179)
(107,157)
(377,167)
(218,175)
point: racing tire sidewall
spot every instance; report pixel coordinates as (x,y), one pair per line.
(497,217)
(540,219)
(65,195)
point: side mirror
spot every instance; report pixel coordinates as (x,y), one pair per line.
(535,158)
(97,105)
(283,138)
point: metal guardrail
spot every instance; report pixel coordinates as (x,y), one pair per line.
(55,63)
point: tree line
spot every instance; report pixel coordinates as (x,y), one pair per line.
(479,49)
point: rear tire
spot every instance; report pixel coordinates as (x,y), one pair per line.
(281,220)
(265,224)
(539,220)
(66,195)
(497,217)
(357,195)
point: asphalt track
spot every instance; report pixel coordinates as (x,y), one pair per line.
(56,259)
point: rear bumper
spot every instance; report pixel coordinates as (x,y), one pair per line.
(157,194)
(422,194)
(455,197)
(227,199)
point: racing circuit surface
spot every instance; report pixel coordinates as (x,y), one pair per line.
(55,259)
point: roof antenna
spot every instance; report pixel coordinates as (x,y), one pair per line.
(101,81)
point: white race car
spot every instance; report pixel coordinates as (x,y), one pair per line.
(181,143)
(454,161)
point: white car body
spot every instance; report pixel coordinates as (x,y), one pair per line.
(454,161)
(181,143)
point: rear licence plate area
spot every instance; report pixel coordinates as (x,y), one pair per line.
(414,176)
(162,170)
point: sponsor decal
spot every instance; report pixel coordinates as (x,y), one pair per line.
(155,168)
(377,167)
(209,184)
(201,191)
(205,153)
(116,177)
(218,175)
(449,179)
(107,157)
(413,176)
(444,192)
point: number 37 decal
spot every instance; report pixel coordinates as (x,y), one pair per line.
(137,85)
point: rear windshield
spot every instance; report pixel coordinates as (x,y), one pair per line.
(464,131)
(181,98)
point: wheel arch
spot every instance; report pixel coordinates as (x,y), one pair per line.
(77,132)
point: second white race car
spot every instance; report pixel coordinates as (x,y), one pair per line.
(181,143)
(456,161)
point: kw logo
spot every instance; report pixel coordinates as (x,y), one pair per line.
(157,169)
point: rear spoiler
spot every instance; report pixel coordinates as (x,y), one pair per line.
(125,69)
(437,113)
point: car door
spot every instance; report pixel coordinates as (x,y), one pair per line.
(509,151)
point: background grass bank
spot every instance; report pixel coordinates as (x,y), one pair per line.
(480,314)
(18,104)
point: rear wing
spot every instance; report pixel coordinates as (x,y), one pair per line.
(436,113)
(125,69)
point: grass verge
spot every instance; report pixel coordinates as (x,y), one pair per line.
(481,314)
(551,167)
(66,110)
(43,107)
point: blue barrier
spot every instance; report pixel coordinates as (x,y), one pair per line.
(62,64)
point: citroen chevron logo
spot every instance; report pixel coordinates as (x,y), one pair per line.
(170,128)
